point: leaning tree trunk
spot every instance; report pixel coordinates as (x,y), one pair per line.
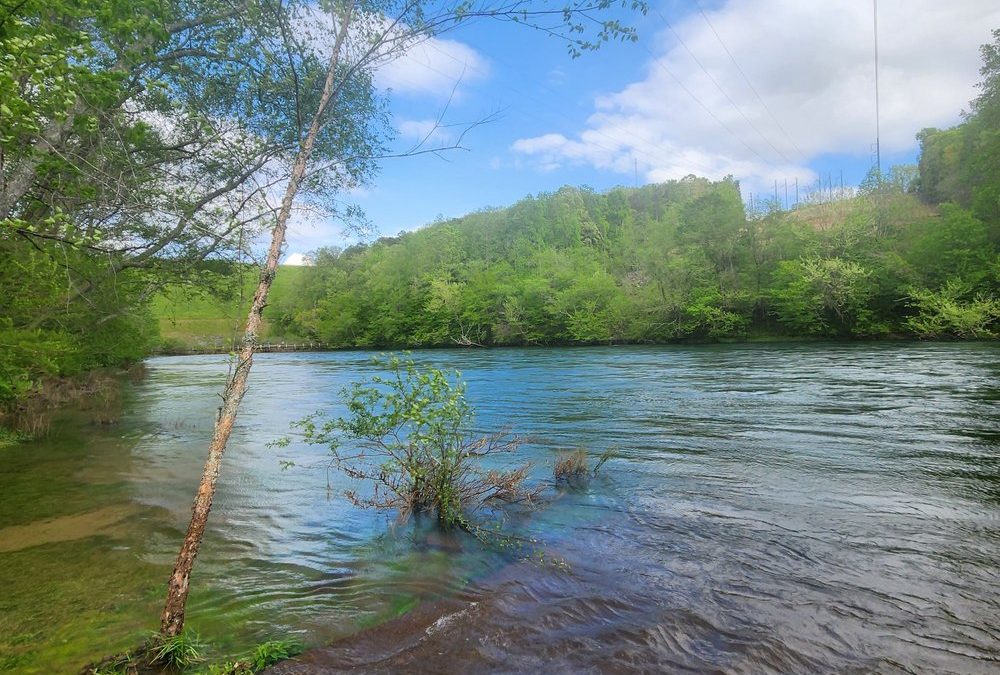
(172,619)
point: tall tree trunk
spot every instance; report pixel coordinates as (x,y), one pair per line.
(172,619)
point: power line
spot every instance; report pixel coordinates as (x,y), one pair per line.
(637,149)
(749,83)
(723,91)
(659,62)
(878,148)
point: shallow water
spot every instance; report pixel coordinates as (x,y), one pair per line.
(773,508)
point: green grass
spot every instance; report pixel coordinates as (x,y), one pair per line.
(183,654)
(193,319)
(265,655)
(10,438)
(273,651)
(178,651)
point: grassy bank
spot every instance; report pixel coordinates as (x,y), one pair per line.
(191,319)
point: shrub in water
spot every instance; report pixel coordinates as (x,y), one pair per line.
(407,436)
(572,467)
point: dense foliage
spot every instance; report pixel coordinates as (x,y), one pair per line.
(138,142)
(138,145)
(142,140)
(909,255)
(664,262)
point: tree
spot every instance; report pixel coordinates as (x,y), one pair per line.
(962,164)
(364,35)
(131,130)
(824,296)
(137,142)
(954,311)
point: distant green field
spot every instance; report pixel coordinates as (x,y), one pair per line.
(195,320)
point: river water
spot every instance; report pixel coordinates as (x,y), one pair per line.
(771,508)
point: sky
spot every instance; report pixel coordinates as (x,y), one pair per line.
(764,90)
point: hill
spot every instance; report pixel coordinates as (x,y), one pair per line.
(674,261)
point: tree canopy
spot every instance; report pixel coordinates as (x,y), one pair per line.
(680,260)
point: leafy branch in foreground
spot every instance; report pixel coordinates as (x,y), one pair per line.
(407,437)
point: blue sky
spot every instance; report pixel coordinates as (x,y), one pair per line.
(762,89)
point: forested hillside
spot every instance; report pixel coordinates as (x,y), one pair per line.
(664,262)
(97,271)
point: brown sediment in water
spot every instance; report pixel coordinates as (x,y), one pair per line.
(434,637)
(523,618)
(64,528)
(400,645)
(536,618)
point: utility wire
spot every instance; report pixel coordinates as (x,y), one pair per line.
(647,142)
(677,80)
(749,83)
(878,147)
(723,91)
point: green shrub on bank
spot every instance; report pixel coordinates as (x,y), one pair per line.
(52,327)
(177,651)
(954,311)
(182,653)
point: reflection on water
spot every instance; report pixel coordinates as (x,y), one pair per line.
(805,508)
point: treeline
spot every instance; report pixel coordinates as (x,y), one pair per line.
(914,254)
(136,147)
(680,260)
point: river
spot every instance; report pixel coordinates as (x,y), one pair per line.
(771,508)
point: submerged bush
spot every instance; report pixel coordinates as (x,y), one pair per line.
(407,437)
(572,467)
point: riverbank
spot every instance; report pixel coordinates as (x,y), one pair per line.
(199,321)
(300,345)
(97,394)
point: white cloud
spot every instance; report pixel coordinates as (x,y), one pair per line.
(417,65)
(296,260)
(427,132)
(433,67)
(811,63)
(310,229)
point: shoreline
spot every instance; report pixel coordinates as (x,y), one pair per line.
(314,347)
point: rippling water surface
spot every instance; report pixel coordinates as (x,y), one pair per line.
(772,508)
